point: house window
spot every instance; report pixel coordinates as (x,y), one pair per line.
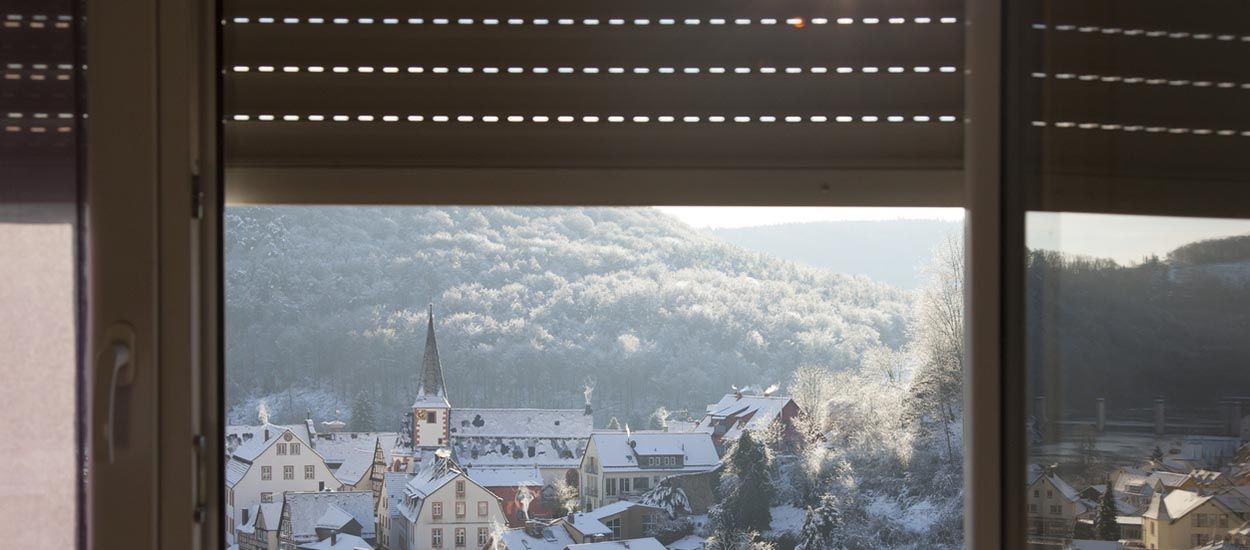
(266,498)
(624,485)
(436,537)
(642,484)
(648,524)
(232,497)
(431,417)
(615,526)
(1050,494)
(436,510)
(609,487)
(266,473)
(461,510)
(295,448)
(288,472)
(461,537)
(482,509)
(282,448)
(1033,508)
(1056,509)
(1224,520)
(1036,493)
(310,472)
(483,535)
(460,488)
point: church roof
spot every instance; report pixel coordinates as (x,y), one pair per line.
(431,390)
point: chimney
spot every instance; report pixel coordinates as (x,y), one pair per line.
(334,537)
(266,433)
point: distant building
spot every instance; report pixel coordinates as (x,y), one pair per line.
(357,459)
(634,544)
(1186,519)
(504,444)
(311,517)
(443,508)
(621,520)
(737,412)
(1053,507)
(259,528)
(519,491)
(261,470)
(623,465)
(388,509)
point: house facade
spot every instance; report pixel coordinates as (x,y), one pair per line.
(261,471)
(1052,509)
(442,508)
(1186,519)
(622,465)
(738,412)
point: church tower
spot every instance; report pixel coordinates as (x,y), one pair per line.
(431,411)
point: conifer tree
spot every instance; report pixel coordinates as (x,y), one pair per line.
(1156,455)
(748,492)
(1105,526)
(362,413)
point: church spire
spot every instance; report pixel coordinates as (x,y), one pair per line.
(430,383)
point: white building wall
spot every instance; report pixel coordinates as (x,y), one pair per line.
(427,434)
(421,533)
(247,491)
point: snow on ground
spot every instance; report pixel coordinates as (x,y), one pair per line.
(787,519)
(289,407)
(916,516)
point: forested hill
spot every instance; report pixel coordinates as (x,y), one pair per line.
(1173,327)
(323,303)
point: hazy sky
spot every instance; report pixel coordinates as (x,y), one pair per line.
(1126,239)
(750,216)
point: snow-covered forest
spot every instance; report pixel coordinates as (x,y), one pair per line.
(324,303)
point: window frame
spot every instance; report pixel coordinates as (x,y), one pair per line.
(165,94)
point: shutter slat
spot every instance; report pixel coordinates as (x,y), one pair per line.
(529,94)
(554,9)
(603,47)
(623,145)
(1176,106)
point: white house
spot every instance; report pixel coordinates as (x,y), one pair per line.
(623,464)
(443,509)
(261,470)
(388,509)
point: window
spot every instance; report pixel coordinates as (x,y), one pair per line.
(266,473)
(624,484)
(482,509)
(232,497)
(436,537)
(615,526)
(1050,493)
(461,510)
(460,488)
(436,510)
(1036,493)
(483,536)
(1223,521)
(648,524)
(266,498)
(609,487)
(295,448)
(431,417)
(310,472)
(641,484)
(1056,509)
(281,448)
(461,538)
(1033,508)
(288,472)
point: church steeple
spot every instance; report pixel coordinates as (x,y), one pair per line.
(430,383)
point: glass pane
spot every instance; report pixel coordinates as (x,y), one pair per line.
(1138,381)
(540,377)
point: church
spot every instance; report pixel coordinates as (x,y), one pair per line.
(516,453)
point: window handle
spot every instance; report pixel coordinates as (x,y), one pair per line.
(115,370)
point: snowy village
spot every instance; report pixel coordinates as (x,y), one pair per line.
(547,479)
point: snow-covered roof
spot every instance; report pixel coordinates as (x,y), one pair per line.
(336,448)
(269,515)
(237,435)
(340,542)
(438,473)
(537,423)
(334,518)
(591,523)
(648,543)
(235,470)
(505,477)
(747,412)
(616,453)
(1128,520)
(395,483)
(1036,474)
(554,537)
(588,525)
(688,542)
(1175,504)
(516,451)
(309,509)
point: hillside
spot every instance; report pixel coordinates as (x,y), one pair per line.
(326,302)
(892,252)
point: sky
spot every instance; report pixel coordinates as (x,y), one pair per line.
(1125,239)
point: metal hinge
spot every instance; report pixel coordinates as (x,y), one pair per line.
(197,197)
